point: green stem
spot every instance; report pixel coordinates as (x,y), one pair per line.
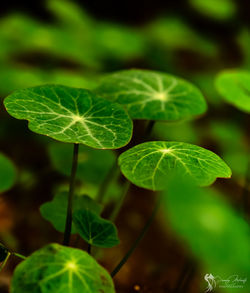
(5,261)
(106,182)
(19,255)
(138,239)
(68,223)
(118,206)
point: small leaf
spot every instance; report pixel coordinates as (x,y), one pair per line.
(55,268)
(7,173)
(153,95)
(55,211)
(71,115)
(234,87)
(94,229)
(149,164)
(93,164)
(215,233)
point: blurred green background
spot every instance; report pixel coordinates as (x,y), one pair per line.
(75,43)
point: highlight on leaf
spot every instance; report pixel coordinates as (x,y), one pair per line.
(71,115)
(153,95)
(150,164)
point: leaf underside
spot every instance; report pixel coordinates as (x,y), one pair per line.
(234,87)
(71,115)
(149,164)
(94,229)
(152,95)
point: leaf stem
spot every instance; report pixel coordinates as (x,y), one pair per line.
(138,239)
(118,206)
(89,249)
(5,261)
(68,223)
(19,255)
(106,182)
(149,129)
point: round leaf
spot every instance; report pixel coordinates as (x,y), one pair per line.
(55,211)
(149,164)
(71,115)
(153,95)
(7,173)
(234,86)
(60,269)
(94,229)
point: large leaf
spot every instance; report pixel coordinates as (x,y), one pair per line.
(60,269)
(94,229)
(234,86)
(214,232)
(153,95)
(149,164)
(55,211)
(93,164)
(71,115)
(7,173)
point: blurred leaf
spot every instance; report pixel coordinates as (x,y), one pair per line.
(214,232)
(55,211)
(56,268)
(220,10)
(173,33)
(71,115)
(183,131)
(150,164)
(94,229)
(93,164)
(153,95)
(234,86)
(7,173)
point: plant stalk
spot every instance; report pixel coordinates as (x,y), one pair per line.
(5,261)
(68,223)
(138,239)
(19,255)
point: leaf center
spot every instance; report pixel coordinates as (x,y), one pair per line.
(162,96)
(71,265)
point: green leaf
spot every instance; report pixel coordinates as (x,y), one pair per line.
(71,115)
(55,268)
(221,10)
(94,229)
(93,164)
(214,232)
(150,164)
(234,86)
(55,211)
(7,173)
(153,95)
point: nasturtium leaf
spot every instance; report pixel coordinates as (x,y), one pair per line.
(216,234)
(7,173)
(55,211)
(71,115)
(221,10)
(153,95)
(234,87)
(150,164)
(94,229)
(93,164)
(60,269)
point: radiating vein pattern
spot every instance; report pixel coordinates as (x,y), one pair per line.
(152,95)
(150,164)
(56,268)
(71,115)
